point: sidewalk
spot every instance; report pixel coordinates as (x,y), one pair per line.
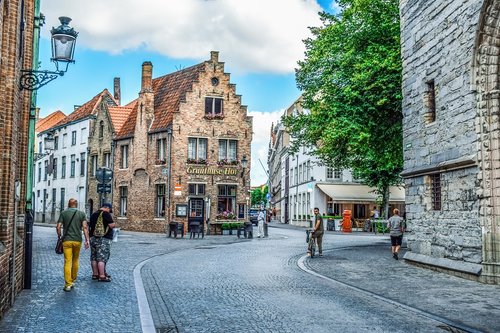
(372,268)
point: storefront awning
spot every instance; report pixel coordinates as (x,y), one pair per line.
(357,192)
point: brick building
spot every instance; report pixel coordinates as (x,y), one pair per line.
(17,20)
(178,155)
(109,120)
(450,52)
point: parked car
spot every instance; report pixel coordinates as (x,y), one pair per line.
(253,213)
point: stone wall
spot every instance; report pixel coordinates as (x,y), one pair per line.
(438,39)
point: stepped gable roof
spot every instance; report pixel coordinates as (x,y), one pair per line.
(169,91)
(49,121)
(87,109)
(119,115)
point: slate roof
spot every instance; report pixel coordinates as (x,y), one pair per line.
(169,91)
(49,121)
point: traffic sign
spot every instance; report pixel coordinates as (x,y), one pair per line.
(104,175)
(103,188)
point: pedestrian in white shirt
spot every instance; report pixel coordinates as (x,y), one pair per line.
(260,219)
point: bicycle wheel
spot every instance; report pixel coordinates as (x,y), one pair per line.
(313,246)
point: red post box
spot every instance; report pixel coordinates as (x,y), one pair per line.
(346,221)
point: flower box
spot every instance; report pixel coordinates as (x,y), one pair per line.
(196,161)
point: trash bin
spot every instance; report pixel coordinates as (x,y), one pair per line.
(330,225)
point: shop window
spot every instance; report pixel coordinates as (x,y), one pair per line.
(123,200)
(436,191)
(359,211)
(160,200)
(226,201)
(228,151)
(337,209)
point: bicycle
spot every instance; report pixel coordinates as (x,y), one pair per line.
(311,241)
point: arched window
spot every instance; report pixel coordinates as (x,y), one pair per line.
(101,129)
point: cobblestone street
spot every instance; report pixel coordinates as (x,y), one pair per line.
(226,284)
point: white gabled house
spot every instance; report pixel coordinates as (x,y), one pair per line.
(60,172)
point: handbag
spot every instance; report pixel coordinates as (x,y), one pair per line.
(59,244)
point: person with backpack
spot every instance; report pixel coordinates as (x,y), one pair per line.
(72,222)
(101,235)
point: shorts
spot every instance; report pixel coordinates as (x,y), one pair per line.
(100,249)
(396,240)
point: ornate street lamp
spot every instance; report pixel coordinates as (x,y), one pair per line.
(63,48)
(244,164)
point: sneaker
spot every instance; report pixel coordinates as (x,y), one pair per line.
(67,288)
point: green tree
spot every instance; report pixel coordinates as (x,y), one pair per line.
(351,83)
(259,195)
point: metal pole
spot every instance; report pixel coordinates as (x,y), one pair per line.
(28,222)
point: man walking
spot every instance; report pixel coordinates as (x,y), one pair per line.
(101,235)
(72,221)
(260,219)
(317,233)
(395,224)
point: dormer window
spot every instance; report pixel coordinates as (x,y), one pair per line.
(213,108)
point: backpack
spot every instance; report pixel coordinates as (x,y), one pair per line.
(99,230)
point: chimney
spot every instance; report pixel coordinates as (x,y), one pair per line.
(214,56)
(147,77)
(116,90)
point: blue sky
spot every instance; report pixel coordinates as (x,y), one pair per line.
(259,40)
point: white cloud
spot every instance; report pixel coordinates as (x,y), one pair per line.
(253,35)
(260,143)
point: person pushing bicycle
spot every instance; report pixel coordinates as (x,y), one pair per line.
(317,233)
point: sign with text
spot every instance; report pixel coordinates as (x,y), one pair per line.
(226,171)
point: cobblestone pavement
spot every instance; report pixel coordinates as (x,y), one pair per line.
(223,284)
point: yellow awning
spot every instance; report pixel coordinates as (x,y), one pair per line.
(357,192)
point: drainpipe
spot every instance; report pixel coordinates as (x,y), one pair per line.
(28,222)
(169,174)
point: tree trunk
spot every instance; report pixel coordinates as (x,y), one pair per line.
(385,202)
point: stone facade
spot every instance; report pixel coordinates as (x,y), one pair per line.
(450,105)
(16,50)
(161,182)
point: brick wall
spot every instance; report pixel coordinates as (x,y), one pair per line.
(189,121)
(14,115)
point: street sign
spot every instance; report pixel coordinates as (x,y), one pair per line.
(268,196)
(103,188)
(104,175)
